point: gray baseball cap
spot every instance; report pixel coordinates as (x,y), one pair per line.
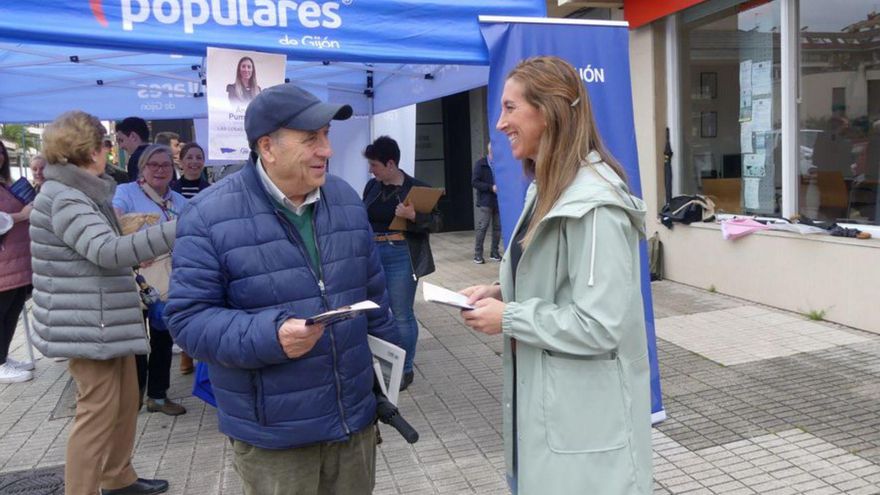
(291,107)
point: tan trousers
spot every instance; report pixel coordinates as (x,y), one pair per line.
(102,438)
(341,468)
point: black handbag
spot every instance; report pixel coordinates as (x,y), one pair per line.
(687,209)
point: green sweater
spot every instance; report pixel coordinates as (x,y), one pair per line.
(306,229)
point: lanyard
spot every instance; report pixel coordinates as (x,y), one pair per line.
(164,204)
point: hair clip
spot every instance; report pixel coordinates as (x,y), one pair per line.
(576,101)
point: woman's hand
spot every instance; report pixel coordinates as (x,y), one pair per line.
(476,292)
(24,214)
(405,211)
(486,318)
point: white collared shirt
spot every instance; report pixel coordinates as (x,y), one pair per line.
(279,196)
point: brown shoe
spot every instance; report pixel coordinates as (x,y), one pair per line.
(186,364)
(169,407)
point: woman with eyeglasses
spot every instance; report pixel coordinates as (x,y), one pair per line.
(145,201)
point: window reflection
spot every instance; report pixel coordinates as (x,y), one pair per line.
(731,109)
(839,112)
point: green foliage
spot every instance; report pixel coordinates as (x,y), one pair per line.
(14,133)
(816,314)
(712,289)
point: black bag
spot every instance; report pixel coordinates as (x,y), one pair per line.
(687,209)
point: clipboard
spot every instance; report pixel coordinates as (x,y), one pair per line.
(423,199)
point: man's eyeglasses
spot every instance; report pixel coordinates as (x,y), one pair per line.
(159,165)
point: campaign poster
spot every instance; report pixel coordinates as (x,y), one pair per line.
(234,79)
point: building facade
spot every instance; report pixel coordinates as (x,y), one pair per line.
(773,109)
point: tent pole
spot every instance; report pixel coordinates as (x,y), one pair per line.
(369,93)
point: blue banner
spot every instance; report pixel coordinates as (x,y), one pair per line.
(407,31)
(600,53)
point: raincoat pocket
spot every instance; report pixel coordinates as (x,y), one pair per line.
(583,404)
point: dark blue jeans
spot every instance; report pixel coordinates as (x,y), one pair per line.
(402,292)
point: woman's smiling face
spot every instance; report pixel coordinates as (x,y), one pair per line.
(193,162)
(521,121)
(245,70)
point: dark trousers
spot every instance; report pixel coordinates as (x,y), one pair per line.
(154,371)
(11,304)
(485,215)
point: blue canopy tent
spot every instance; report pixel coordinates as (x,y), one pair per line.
(116,58)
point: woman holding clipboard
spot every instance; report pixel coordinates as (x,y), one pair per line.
(406,254)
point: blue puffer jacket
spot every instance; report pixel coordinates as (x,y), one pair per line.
(239,271)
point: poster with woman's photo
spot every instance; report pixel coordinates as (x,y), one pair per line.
(235,77)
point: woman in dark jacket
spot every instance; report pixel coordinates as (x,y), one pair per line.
(86,305)
(406,255)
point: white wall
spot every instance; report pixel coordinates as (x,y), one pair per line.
(400,124)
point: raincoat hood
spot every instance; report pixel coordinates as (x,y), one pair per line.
(597,185)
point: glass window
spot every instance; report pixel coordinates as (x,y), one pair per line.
(730,100)
(839,111)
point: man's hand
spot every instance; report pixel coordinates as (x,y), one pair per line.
(475,293)
(297,338)
(406,211)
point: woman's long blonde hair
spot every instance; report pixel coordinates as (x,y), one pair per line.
(552,86)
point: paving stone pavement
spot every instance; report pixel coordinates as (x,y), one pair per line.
(760,401)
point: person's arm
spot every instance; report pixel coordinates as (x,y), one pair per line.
(76,223)
(478,181)
(594,322)
(426,222)
(197,310)
(23,215)
(366,190)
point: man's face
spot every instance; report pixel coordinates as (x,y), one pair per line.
(175,149)
(297,160)
(128,142)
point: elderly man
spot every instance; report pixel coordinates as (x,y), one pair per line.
(257,254)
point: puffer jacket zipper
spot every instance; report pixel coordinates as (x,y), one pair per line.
(259,403)
(102,323)
(319,278)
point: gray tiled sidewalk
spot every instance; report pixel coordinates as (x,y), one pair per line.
(760,401)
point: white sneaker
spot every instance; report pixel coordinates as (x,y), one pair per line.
(9,374)
(175,349)
(20,365)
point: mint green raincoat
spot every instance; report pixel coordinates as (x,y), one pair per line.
(582,404)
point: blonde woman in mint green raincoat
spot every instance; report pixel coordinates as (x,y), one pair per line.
(577,416)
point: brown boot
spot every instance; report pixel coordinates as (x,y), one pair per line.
(186,364)
(170,408)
